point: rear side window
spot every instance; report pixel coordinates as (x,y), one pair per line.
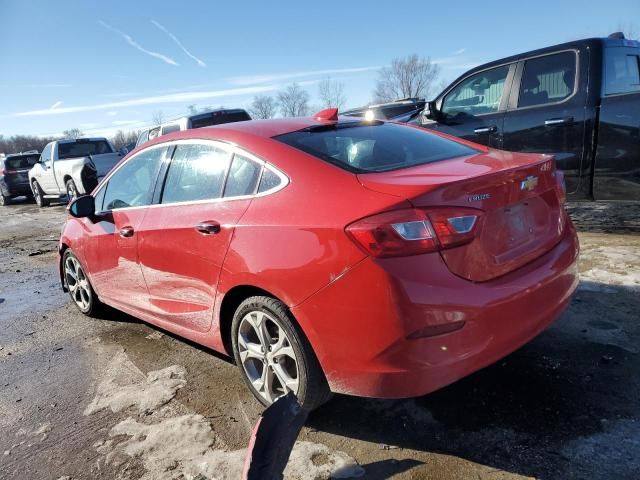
(547,79)
(622,71)
(268,181)
(132,184)
(197,172)
(378,147)
(243,177)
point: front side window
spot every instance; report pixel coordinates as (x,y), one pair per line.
(45,157)
(132,184)
(243,177)
(622,71)
(366,147)
(197,172)
(547,79)
(479,94)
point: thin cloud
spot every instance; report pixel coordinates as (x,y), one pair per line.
(137,46)
(460,52)
(274,77)
(56,105)
(125,122)
(179,43)
(112,113)
(153,100)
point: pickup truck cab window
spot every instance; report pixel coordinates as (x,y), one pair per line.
(621,71)
(132,184)
(197,172)
(547,79)
(479,94)
(82,148)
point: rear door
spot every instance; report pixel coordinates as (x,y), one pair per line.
(474,108)
(617,164)
(547,110)
(185,237)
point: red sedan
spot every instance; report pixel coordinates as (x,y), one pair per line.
(329,254)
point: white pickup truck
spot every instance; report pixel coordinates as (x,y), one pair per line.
(71,168)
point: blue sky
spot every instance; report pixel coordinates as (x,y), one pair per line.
(101,66)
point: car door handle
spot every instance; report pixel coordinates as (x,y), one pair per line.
(126,232)
(558,121)
(490,129)
(207,228)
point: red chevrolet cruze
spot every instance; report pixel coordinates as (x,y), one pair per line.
(329,254)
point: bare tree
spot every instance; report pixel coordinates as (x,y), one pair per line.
(121,138)
(193,109)
(331,93)
(263,106)
(23,143)
(293,101)
(410,77)
(72,133)
(157,118)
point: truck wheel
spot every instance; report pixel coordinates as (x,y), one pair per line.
(38,194)
(72,191)
(274,356)
(80,290)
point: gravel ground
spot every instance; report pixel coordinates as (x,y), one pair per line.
(116,398)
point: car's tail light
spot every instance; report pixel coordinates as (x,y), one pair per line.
(8,172)
(414,231)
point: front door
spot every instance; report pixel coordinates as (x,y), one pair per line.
(546,112)
(474,109)
(184,239)
(111,246)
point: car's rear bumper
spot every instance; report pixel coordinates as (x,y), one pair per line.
(360,325)
(15,188)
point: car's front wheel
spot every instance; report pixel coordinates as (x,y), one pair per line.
(38,194)
(77,283)
(72,190)
(274,356)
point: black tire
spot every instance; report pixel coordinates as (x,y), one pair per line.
(38,195)
(313,389)
(90,304)
(71,189)
(4,200)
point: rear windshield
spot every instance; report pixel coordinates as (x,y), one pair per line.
(83,148)
(19,163)
(378,147)
(216,118)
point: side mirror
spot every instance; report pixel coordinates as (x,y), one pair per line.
(431,111)
(82,207)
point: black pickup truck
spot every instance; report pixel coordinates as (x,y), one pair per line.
(579,101)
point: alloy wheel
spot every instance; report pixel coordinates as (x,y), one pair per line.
(71,192)
(36,192)
(267,357)
(77,283)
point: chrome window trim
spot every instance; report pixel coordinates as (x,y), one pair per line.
(229,147)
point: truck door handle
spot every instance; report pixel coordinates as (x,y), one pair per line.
(558,121)
(207,228)
(126,232)
(490,129)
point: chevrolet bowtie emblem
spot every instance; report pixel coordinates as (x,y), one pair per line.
(529,183)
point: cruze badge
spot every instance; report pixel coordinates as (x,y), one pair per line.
(529,183)
(479,196)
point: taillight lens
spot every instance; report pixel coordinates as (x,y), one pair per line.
(414,231)
(8,172)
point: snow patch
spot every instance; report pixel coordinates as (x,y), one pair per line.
(616,265)
(125,387)
(187,447)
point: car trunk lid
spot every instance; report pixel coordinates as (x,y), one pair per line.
(521,211)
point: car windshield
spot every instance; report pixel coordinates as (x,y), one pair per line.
(374,147)
(83,148)
(23,162)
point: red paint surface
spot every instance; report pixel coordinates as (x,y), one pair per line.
(510,282)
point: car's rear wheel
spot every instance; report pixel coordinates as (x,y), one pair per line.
(72,191)
(274,356)
(38,194)
(4,200)
(78,284)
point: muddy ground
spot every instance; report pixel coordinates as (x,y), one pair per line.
(115,398)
